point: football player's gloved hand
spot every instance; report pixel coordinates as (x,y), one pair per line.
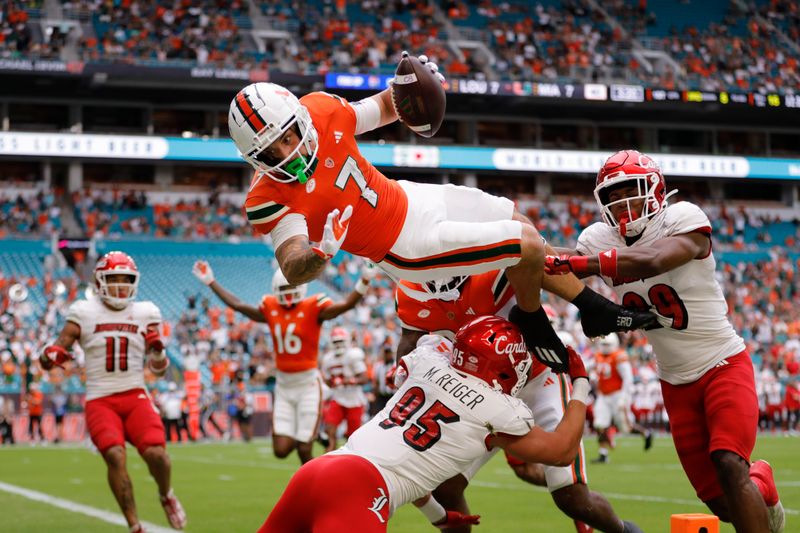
(152,341)
(600,316)
(334,233)
(540,338)
(564,264)
(54,356)
(202,271)
(434,68)
(456,519)
(576,367)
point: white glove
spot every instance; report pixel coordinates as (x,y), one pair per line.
(202,271)
(434,68)
(369,271)
(334,233)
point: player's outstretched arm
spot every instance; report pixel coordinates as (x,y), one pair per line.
(202,271)
(640,262)
(58,353)
(154,349)
(557,448)
(368,272)
(441,517)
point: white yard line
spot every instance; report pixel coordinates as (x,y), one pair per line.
(100,514)
(612,495)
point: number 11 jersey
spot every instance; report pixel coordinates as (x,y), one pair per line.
(113,344)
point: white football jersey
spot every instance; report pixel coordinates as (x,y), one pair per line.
(700,335)
(347,365)
(113,344)
(434,426)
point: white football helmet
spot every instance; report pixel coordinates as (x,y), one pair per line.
(259,114)
(608,344)
(340,340)
(287,294)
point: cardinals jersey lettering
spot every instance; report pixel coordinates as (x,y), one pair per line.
(295,331)
(700,335)
(609,379)
(342,177)
(347,365)
(113,344)
(434,426)
(482,294)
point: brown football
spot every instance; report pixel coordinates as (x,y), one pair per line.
(418,97)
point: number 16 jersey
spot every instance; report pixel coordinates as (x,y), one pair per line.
(434,426)
(113,344)
(699,334)
(295,331)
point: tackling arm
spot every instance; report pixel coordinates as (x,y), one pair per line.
(641,262)
(298,261)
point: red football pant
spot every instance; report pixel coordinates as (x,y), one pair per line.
(335,414)
(717,412)
(331,494)
(129,415)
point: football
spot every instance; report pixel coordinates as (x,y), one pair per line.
(418,97)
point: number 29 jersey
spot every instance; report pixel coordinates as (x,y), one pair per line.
(113,344)
(434,426)
(699,335)
(295,331)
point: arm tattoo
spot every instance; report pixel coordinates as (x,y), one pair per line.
(298,263)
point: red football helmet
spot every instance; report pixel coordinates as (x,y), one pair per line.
(116,295)
(339,339)
(492,349)
(630,168)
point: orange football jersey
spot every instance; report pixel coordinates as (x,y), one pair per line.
(342,177)
(295,331)
(609,379)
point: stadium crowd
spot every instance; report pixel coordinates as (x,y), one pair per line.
(740,50)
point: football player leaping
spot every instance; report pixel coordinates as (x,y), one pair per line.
(116,333)
(658,256)
(295,322)
(311,183)
(447,412)
(441,307)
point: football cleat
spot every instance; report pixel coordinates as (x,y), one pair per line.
(648,440)
(777,516)
(174,510)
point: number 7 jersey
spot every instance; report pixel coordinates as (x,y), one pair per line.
(699,335)
(342,177)
(113,344)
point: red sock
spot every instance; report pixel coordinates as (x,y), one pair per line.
(765,486)
(762,488)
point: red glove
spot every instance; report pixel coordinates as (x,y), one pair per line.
(576,366)
(54,356)
(152,341)
(455,519)
(564,264)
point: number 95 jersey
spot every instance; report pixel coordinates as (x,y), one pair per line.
(113,344)
(699,334)
(434,426)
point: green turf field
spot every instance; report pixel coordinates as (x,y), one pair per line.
(230,488)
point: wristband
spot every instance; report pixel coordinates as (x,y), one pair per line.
(579,264)
(433,510)
(608,263)
(361,286)
(580,390)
